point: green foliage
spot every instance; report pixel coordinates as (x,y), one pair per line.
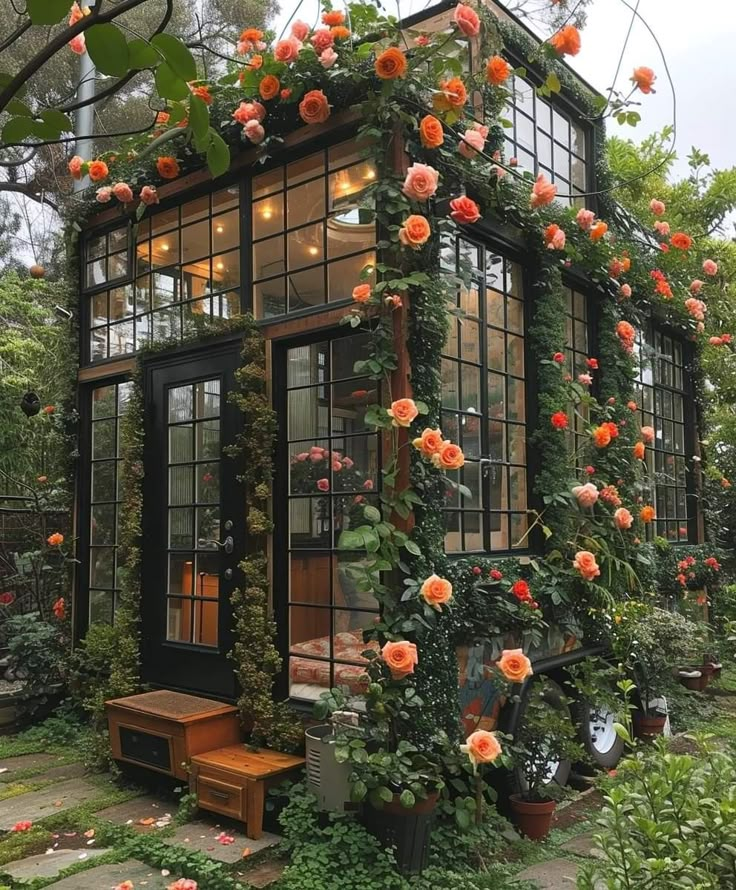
(37,651)
(90,668)
(669,821)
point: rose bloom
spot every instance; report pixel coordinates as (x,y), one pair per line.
(148,195)
(625,291)
(125,885)
(710,267)
(314,107)
(612,428)
(400,658)
(662,227)
(167,167)
(696,285)
(333,17)
(75,166)
(495,574)
(390,64)
(104,195)
(402,412)
(585,563)
(715,341)
(254,132)
(657,207)
(98,171)
(287,50)
(623,519)
(639,450)
(559,420)
(322,39)
(625,331)
(340,32)
(362,293)
(7,598)
(601,436)
(123,192)
(592,363)
(183,884)
(429,442)
(78,44)
(473,141)
(328,57)
(543,192)
(598,230)
(647,514)
(431,132)
(644,78)
(415,232)
(464,210)
(558,357)
(299,30)
(497,70)
(323,484)
(681,241)
(394,301)
(566,41)
(269,87)
(420,183)
(449,457)
(584,219)
(586,495)
(452,94)
(467,20)
(481,746)
(520,590)
(585,379)
(696,308)
(436,591)
(554,237)
(59,608)
(514,665)
(249,111)
(647,434)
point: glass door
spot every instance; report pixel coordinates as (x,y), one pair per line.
(194,518)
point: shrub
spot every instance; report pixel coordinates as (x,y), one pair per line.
(37,657)
(90,668)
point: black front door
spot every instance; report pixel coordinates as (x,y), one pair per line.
(193,521)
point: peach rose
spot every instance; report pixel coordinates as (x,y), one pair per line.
(168,167)
(390,64)
(647,514)
(362,293)
(566,41)
(436,591)
(585,563)
(327,57)
(464,210)
(467,20)
(269,87)
(98,171)
(639,450)
(647,433)
(473,141)
(586,495)
(287,50)
(183,884)
(449,457)
(543,192)
(710,267)
(585,218)
(623,518)
(249,111)
(104,194)
(514,665)
(123,192)
(149,195)
(497,70)
(254,132)
(601,436)
(299,30)
(431,132)
(402,412)
(314,107)
(429,442)
(481,746)
(420,182)
(322,39)
(644,78)
(400,658)
(657,207)
(415,232)
(75,166)
(452,93)
(598,230)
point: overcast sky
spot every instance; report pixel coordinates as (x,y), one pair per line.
(699,43)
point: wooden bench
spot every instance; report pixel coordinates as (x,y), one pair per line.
(233,781)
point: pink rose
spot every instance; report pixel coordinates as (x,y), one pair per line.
(625,291)
(586,495)
(662,227)
(473,141)
(149,195)
(368,485)
(585,219)
(336,466)
(322,39)
(421,182)
(696,285)
(657,207)
(123,192)
(647,434)
(75,166)
(328,57)
(323,484)
(104,194)
(543,191)
(467,20)
(586,564)
(254,132)
(304,455)
(287,50)
(710,267)
(249,111)
(623,518)
(299,30)
(696,308)
(348,463)
(585,379)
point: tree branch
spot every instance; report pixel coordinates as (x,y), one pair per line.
(28,192)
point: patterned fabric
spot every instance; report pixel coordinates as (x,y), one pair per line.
(348,646)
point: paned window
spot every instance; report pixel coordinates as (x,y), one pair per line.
(334,473)
(108,406)
(662,396)
(484,400)
(577,352)
(545,139)
(312,235)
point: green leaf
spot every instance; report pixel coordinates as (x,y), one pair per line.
(218,156)
(58,120)
(413,548)
(142,55)
(15,106)
(358,791)
(170,85)
(108,49)
(385,794)
(17,129)
(372,514)
(553,83)
(47,12)
(407,799)
(199,117)
(180,59)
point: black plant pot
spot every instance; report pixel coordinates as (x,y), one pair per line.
(30,404)
(408,831)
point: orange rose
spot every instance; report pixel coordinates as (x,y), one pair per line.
(639,450)
(514,665)
(429,442)
(681,241)
(449,457)
(601,436)
(647,514)
(415,232)
(497,70)
(314,107)
(452,94)
(481,747)
(97,171)
(391,63)
(585,563)
(400,658)
(436,591)
(431,132)
(203,93)
(644,78)
(402,412)
(333,17)
(167,167)
(269,87)
(362,293)
(598,230)
(566,41)
(340,32)
(55,540)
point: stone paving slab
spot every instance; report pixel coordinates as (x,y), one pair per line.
(202,837)
(107,877)
(25,761)
(557,874)
(264,875)
(35,805)
(582,845)
(48,865)
(146,807)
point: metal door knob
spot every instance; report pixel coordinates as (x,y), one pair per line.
(228,545)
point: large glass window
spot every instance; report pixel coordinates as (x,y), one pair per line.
(484,400)
(545,139)
(662,398)
(334,472)
(577,351)
(108,405)
(312,234)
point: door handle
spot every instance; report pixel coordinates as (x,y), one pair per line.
(228,545)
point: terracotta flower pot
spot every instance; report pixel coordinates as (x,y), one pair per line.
(646,727)
(708,671)
(697,684)
(533,818)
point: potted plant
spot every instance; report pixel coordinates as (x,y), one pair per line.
(545,737)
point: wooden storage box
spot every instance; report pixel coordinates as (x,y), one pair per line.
(163,730)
